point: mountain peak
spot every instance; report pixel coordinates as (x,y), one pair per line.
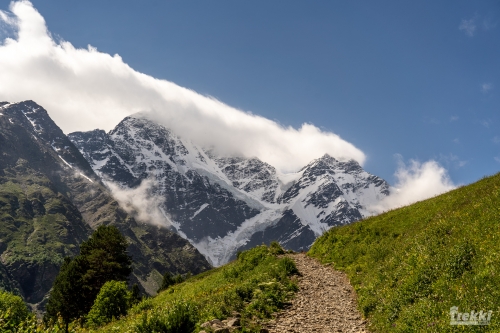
(28,102)
(36,121)
(328,158)
(328,162)
(25,106)
(25,110)
(223,204)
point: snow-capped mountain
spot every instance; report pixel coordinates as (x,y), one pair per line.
(51,200)
(226,204)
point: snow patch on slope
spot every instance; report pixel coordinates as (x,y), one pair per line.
(90,180)
(221,249)
(202,207)
(65,162)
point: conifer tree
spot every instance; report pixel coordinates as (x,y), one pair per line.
(103,257)
(106,255)
(67,293)
(135,295)
(167,281)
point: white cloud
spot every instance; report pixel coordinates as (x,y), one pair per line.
(485,122)
(486,87)
(488,24)
(84,89)
(456,140)
(454,118)
(4,17)
(452,160)
(140,202)
(415,182)
(496,140)
(468,26)
(497,159)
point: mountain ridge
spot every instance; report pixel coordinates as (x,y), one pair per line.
(51,199)
(218,202)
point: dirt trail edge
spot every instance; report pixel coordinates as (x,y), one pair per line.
(325,302)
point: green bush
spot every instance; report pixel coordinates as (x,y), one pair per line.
(13,311)
(287,266)
(180,318)
(111,303)
(275,248)
(460,260)
(135,296)
(169,280)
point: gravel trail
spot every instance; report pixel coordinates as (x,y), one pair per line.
(325,302)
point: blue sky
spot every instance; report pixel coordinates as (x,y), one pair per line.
(415,78)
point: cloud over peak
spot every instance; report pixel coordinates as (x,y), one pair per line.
(415,181)
(84,89)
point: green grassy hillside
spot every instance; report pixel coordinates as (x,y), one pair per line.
(38,228)
(411,265)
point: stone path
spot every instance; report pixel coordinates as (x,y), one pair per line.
(324,303)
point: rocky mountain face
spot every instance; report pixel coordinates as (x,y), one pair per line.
(51,199)
(225,204)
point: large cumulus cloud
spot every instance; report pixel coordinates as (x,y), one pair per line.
(84,89)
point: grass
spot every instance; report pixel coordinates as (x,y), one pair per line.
(409,266)
(257,284)
(42,237)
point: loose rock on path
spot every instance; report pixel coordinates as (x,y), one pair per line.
(325,302)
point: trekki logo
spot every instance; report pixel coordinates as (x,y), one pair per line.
(469,318)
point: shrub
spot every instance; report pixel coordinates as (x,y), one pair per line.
(169,280)
(135,296)
(166,282)
(13,311)
(287,265)
(180,318)
(111,302)
(275,248)
(460,260)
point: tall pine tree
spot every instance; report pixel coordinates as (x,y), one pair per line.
(67,294)
(103,257)
(106,255)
